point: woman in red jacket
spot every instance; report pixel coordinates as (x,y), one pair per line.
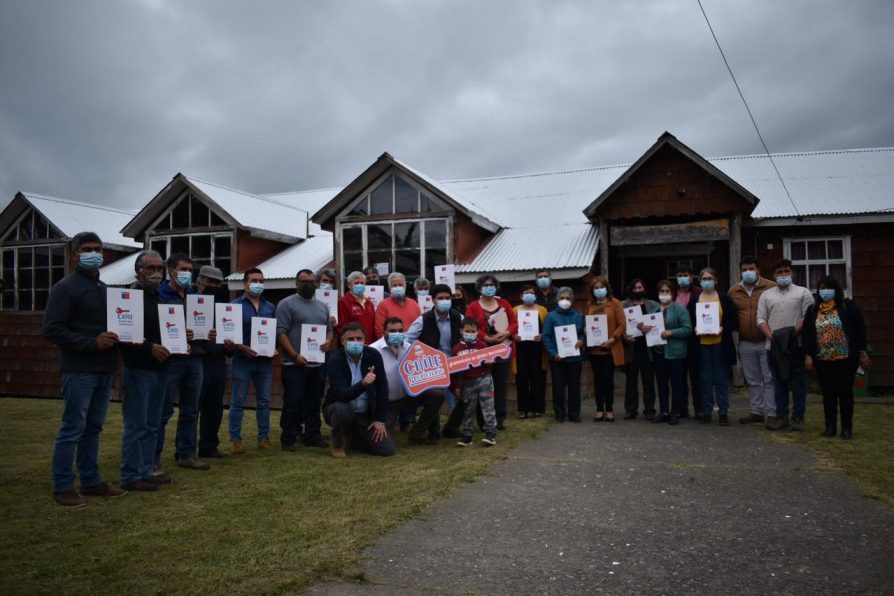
(496,324)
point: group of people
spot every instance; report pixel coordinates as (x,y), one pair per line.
(782,330)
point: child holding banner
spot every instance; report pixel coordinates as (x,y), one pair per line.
(475,386)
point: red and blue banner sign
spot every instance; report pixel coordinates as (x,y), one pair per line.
(424,367)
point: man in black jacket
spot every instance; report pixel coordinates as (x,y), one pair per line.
(356,405)
(75,320)
(214,368)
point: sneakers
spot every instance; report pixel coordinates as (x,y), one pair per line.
(489,440)
(236,448)
(751,419)
(777,423)
(797,424)
(140,485)
(723,419)
(192,463)
(265,445)
(70,498)
(465,441)
(101,490)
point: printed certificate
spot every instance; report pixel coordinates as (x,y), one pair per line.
(528,324)
(656,321)
(312,338)
(263,336)
(173,328)
(199,315)
(375,293)
(707,318)
(124,314)
(330,299)
(597,330)
(445,274)
(425,303)
(566,340)
(634,315)
(228,320)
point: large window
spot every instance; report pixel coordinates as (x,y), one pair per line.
(396,194)
(813,258)
(33,259)
(411,247)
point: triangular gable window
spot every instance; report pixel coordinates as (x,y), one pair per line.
(396,195)
(187,213)
(31,226)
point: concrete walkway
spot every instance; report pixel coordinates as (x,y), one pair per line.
(633,507)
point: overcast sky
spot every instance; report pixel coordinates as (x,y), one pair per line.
(105,101)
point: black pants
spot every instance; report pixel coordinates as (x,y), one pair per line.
(640,365)
(669,376)
(214,385)
(344,421)
(302,394)
(603,366)
(500,372)
(836,379)
(566,386)
(531,378)
(692,381)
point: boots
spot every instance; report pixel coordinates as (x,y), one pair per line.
(777,423)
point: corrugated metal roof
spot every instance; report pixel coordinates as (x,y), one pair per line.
(307,200)
(121,272)
(568,246)
(313,253)
(72,217)
(256,212)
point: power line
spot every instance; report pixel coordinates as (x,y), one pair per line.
(750,115)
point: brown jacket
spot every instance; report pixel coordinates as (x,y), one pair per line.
(746,308)
(617,326)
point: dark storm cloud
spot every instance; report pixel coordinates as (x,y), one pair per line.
(105,101)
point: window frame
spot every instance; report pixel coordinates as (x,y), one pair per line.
(808,262)
(231,234)
(33,289)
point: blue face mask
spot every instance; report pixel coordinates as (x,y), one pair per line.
(543,282)
(398,292)
(749,277)
(354,348)
(708,284)
(256,289)
(358,290)
(783,281)
(683,282)
(827,295)
(184,278)
(470,338)
(444,305)
(91,261)
(600,293)
(489,291)
(529,299)
(325,286)
(396,338)
(421,293)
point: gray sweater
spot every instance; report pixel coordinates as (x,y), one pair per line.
(294,311)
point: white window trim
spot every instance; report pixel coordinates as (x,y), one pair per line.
(15,289)
(846,241)
(367,194)
(213,235)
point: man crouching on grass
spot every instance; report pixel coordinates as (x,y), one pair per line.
(356,405)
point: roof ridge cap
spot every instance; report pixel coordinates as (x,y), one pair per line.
(76,203)
(300,192)
(536,174)
(246,193)
(801,153)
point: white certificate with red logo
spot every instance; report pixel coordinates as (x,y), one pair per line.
(425,303)
(312,339)
(597,330)
(375,293)
(199,315)
(528,324)
(228,320)
(445,274)
(124,314)
(330,299)
(634,316)
(707,318)
(263,336)
(656,322)
(173,328)
(566,341)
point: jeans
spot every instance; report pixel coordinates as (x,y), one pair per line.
(86,398)
(141,405)
(566,377)
(692,381)
(640,365)
(758,378)
(714,374)
(603,366)
(796,383)
(260,372)
(302,394)
(184,377)
(530,378)
(214,385)
(343,420)
(669,375)
(836,379)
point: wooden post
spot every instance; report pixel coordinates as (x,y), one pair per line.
(735,253)
(603,248)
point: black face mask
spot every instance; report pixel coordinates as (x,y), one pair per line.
(459,304)
(306,289)
(637,295)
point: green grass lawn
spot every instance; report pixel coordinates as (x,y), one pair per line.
(259,522)
(868,459)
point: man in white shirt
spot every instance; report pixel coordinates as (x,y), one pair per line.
(392,346)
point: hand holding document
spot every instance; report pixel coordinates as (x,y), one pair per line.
(528,324)
(375,293)
(634,316)
(445,274)
(312,339)
(124,314)
(330,299)
(199,315)
(426,303)
(656,322)
(707,318)
(173,328)
(228,319)
(597,330)
(263,336)
(566,340)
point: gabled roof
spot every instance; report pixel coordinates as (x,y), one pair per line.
(667,139)
(313,253)
(120,273)
(570,246)
(262,216)
(476,212)
(71,217)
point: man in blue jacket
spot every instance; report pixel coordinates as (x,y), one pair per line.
(356,405)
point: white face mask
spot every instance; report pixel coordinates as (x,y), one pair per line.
(564,304)
(664,298)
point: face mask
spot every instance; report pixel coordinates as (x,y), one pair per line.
(152,281)
(683,282)
(543,282)
(444,305)
(184,278)
(358,290)
(749,277)
(255,289)
(398,292)
(529,299)
(91,261)
(600,293)
(664,298)
(396,338)
(325,286)
(470,338)
(827,295)
(783,281)
(306,289)
(422,293)
(637,295)
(564,304)
(354,348)
(459,304)
(708,284)
(489,291)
